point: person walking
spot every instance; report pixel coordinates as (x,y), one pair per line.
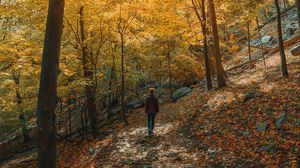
(151,109)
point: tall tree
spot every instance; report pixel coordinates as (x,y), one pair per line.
(88,74)
(47,97)
(220,70)
(202,19)
(122,27)
(284,69)
(123,77)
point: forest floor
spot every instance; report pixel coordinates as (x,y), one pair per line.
(253,122)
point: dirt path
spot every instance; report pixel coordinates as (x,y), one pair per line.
(172,144)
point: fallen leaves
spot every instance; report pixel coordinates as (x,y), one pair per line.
(232,125)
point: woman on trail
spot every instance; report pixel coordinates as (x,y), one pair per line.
(151,108)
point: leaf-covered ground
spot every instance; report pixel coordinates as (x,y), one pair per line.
(254,122)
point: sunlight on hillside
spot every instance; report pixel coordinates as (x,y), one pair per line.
(146,84)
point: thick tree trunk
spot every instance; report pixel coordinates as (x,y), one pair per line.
(123,79)
(249,47)
(47,96)
(206,58)
(220,70)
(284,69)
(298,11)
(88,74)
(261,44)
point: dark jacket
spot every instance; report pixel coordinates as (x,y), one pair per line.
(152,105)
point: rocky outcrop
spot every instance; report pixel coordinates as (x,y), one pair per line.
(181,93)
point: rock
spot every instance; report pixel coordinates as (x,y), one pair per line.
(91,151)
(245,133)
(211,151)
(262,126)
(202,126)
(249,95)
(281,120)
(135,104)
(295,51)
(181,93)
(289,31)
(267,39)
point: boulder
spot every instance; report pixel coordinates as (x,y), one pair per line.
(181,93)
(295,51)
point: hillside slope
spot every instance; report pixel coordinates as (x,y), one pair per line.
(254,122)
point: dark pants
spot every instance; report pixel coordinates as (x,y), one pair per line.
(151,118)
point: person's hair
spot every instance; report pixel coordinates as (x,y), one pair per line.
(152,90)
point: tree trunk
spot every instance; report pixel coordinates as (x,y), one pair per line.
(111,82)
(284,69)
(298,11)
(160,72)
(19,104)
(88,75)
(206,58)
(204,32)
(47,96)
(220,70)
(261,44)
(123,79)
(249,47)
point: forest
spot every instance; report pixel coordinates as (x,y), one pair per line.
(78,76)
